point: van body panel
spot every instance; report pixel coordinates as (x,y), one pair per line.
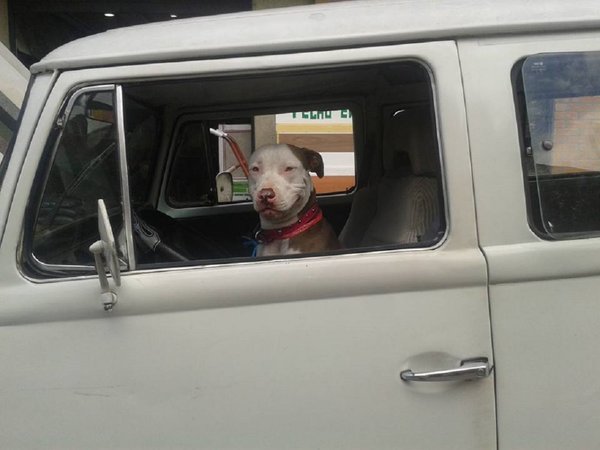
(543,294)
(287,353)
(318,27)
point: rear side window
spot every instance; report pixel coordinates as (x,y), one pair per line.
(559,96)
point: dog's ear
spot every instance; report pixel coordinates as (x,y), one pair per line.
(312,160)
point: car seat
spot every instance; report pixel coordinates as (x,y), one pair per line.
(403,206)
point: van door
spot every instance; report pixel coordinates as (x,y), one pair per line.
(304,352)
(536,169)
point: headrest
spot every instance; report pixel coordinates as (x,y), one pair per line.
(409,139)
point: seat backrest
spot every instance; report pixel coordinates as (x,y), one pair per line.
(406,210)
(364,207)
(403,207)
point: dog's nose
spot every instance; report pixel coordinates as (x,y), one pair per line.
(266,194)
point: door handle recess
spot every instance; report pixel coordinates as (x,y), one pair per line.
(469,369)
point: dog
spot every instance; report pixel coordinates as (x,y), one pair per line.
(284,196)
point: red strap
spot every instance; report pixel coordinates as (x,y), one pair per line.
(309,219)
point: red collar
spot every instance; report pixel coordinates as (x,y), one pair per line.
(308,220)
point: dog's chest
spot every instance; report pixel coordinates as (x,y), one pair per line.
(277,247)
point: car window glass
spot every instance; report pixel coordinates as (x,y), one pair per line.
(85,168)
(562,101)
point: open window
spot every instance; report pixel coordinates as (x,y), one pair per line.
(374,125)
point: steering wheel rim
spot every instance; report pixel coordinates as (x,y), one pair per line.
(159,233)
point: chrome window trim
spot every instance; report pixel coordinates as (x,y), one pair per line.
(61,267)
(124,172)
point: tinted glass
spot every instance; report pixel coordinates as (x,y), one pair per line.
(562,96)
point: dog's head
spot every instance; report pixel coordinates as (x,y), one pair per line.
(280,183)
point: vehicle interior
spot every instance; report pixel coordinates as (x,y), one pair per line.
(393,198)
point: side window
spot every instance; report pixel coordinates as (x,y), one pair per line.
(85,168)
(560,109)
(373,126)
(349,153)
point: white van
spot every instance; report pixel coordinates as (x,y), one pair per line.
(463,311)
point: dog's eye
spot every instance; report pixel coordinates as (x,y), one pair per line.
(289,168)
(254,169)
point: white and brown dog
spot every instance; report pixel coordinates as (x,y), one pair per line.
(284,197)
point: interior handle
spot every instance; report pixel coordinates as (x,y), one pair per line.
(469,369)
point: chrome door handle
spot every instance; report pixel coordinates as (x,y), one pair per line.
(469,369)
